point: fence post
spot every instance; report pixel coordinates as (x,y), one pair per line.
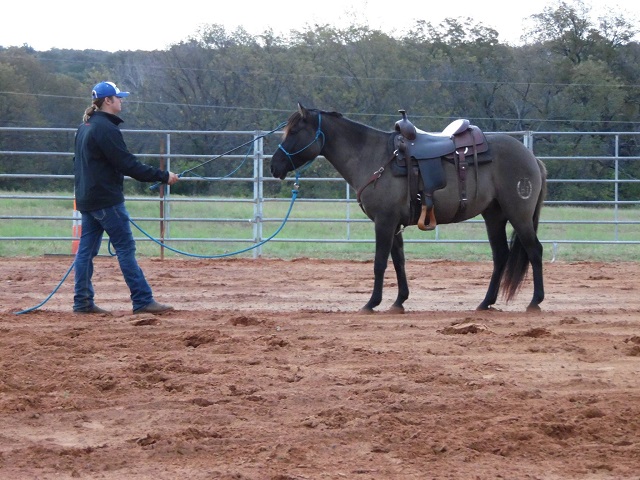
(258,191)
(161,194)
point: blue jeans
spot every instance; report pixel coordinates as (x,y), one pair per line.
(115,221)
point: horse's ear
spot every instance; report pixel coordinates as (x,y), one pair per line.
(302,110)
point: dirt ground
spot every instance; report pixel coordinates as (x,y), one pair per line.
(267,371)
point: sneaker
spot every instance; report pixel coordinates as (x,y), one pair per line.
(154,307)
(93,309)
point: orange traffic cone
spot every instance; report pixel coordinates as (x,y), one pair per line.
(76,229)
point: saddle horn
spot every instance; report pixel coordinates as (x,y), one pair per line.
(405,127)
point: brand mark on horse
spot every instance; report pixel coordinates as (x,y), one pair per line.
(524,188)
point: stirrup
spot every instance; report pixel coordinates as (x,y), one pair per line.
(431,225)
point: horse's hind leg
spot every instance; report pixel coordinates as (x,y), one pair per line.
(534,252)
(538,282)
(527,247)
(397,255)
(496,225)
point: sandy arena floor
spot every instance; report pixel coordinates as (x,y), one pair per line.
(267,371)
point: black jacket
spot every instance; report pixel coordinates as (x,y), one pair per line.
(102,160)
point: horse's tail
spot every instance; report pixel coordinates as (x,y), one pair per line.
(518,260)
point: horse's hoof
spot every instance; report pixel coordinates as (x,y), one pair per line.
(534,309)
(488,308)
(396,310)
(366,311)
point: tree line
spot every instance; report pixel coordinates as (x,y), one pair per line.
(571,73)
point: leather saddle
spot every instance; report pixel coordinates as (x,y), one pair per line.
(420,155)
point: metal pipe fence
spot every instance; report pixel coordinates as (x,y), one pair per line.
(257,207)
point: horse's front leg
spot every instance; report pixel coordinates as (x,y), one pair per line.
(384,241)
(397,255)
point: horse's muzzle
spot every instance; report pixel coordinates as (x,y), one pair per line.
(279,167)
(277,173)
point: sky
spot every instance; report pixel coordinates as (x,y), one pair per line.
(145,25)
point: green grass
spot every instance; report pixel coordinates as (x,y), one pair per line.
(559,225)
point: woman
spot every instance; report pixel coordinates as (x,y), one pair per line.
(100,164)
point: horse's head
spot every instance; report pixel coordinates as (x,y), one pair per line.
(302,142)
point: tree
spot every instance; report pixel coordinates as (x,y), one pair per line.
(17,107)
(568,29)
(466,68)
(565,28)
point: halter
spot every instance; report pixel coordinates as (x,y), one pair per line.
(319,133)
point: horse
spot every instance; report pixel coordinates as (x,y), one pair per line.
(510,188)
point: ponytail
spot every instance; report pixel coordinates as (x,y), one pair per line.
(93,108)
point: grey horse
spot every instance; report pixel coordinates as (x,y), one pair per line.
(509,188)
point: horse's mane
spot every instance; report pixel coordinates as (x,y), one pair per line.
(296,116)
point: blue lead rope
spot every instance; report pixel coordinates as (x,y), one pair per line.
(51,294)
(155,186)
(294,195)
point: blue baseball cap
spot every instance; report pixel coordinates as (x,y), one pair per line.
(107,89)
